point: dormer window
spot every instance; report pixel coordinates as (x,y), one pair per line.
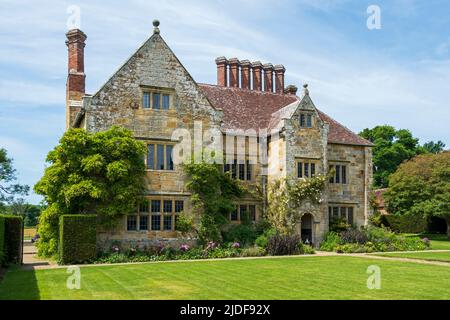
(156,99)
(306,120)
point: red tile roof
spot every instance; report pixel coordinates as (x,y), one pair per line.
(245,109)
(249,109)
(341,134)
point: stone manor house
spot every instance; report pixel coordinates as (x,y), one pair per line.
(152,94)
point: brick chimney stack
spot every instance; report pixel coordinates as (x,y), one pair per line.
(234,72)
(76,79)
(257,75)
(222,74)
(268,77)
(245,74)
(279,78)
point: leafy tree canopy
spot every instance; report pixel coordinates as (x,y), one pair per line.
(421,186)
(392,147)
(100,173)
(434,147)
(8,189)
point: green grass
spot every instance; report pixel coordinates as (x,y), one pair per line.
(282,278)
(433,256)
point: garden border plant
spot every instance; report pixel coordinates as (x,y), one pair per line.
(371,239)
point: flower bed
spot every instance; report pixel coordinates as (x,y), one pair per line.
(371,239)
(184,252)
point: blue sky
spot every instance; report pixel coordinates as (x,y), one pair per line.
(398,75)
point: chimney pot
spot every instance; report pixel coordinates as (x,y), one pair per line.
(222,63)
(234,72)
(279,78)
(268,77)
(245,74)
(257,80)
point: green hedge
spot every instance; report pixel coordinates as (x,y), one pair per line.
(78,237)
(405,223)
(11,242)
(2,240)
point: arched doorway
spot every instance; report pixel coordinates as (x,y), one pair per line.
(306,231)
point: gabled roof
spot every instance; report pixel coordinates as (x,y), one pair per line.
(249,109)
(340,134)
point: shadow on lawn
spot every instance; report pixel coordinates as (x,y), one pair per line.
(18,283)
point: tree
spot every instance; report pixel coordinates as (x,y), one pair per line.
(434,147)
(29,212)
(392,147)
(8,190)
(213,198)
(90,173)
(421,186)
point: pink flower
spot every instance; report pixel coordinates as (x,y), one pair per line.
(184,247)
(211,245)
(236,245)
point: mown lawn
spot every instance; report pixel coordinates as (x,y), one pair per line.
(281,278)
(433,256)
(438,241)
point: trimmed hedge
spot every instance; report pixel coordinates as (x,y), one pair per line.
(2,240)
(12,239)
(77,238)
(405,223)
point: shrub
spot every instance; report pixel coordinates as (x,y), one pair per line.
(78,236)
(279,245)
(253,252)
(12,242)
(244,233)
(339,224)
(371,239)
(408,223)
(262,240)
(305,249)
(353,236)
(331,241)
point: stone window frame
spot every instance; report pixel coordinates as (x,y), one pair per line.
(157,90)
(349,211)
(155,144)
(309,161)
(238,207)
(235,169)
(306,115)
(343,173)
(246,160)
(176,210)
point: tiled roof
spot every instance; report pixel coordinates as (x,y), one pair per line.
(245,109)
(249,109)
(341,134)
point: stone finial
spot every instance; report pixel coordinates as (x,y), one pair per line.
(156,26)
(305,89)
